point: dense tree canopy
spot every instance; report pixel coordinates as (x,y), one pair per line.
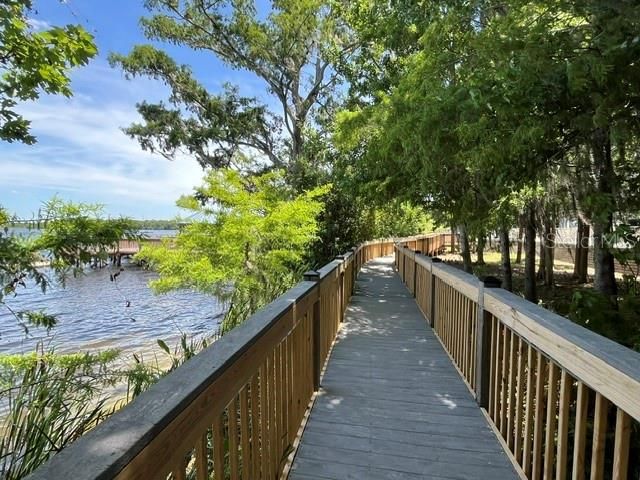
(500,98)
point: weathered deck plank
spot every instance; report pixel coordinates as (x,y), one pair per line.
(392,406)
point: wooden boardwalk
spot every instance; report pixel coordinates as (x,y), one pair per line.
(391,404)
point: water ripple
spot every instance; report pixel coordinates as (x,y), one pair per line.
(93,314)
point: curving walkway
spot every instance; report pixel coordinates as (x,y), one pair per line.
(392,405)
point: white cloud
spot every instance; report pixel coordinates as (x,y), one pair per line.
(82,151)
(38,25)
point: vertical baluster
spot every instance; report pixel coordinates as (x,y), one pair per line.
(234,465)
(473,315)
(464,336)
(580,435)
(528,413)
(286,431)
(473,325)
(599,437)
(459,331)
(466,340)
(217,431)
(469,341)
(271,432)
(538,425)
(264,419)
(297,398)
(549,448)
(566,383)
(520,386)
(444,313)
(513,347)
(202,461)
(496,361)
(178,472)
(455,322)
(503,380)
(454,325)
(244,434)
(255,427)
(278,391)
(291,417)
(449,312)
(621,447)
(437,307)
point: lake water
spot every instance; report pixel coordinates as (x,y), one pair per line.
(93,314)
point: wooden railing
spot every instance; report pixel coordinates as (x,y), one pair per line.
(564,399)
(234,411)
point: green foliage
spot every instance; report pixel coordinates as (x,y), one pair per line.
(628,255)
(400,219)
(144,373)
(32,62)
(215,128)
(51,400)
(289,48)
(249,245)
(494,99)
(384,34)
(619,322)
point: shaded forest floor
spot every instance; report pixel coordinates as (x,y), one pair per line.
(569,298)
(556,297)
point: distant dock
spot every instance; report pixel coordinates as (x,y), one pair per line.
(128,248)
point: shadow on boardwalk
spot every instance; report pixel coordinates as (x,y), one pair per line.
(392,406)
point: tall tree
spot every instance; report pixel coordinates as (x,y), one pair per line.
(288,48)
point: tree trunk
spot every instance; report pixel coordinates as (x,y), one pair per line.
(542,266)
(296,168)
(530,256)
(465,250)
(452,247)
(507,276)
(519,247)
(480,249)
(577,255)
(549,250)
(605,280)
(581,259)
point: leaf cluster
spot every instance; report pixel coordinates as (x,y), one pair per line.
(34,62)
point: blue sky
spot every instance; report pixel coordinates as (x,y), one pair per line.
(82,154)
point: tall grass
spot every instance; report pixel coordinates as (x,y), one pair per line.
(47,402)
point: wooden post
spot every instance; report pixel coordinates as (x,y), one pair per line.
(432,314)
(483,344)
(354,269)
(313,276)
(415,272)
(341,304)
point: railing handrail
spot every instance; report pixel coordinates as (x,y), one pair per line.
(107,449)
(603,364)
(122,439)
